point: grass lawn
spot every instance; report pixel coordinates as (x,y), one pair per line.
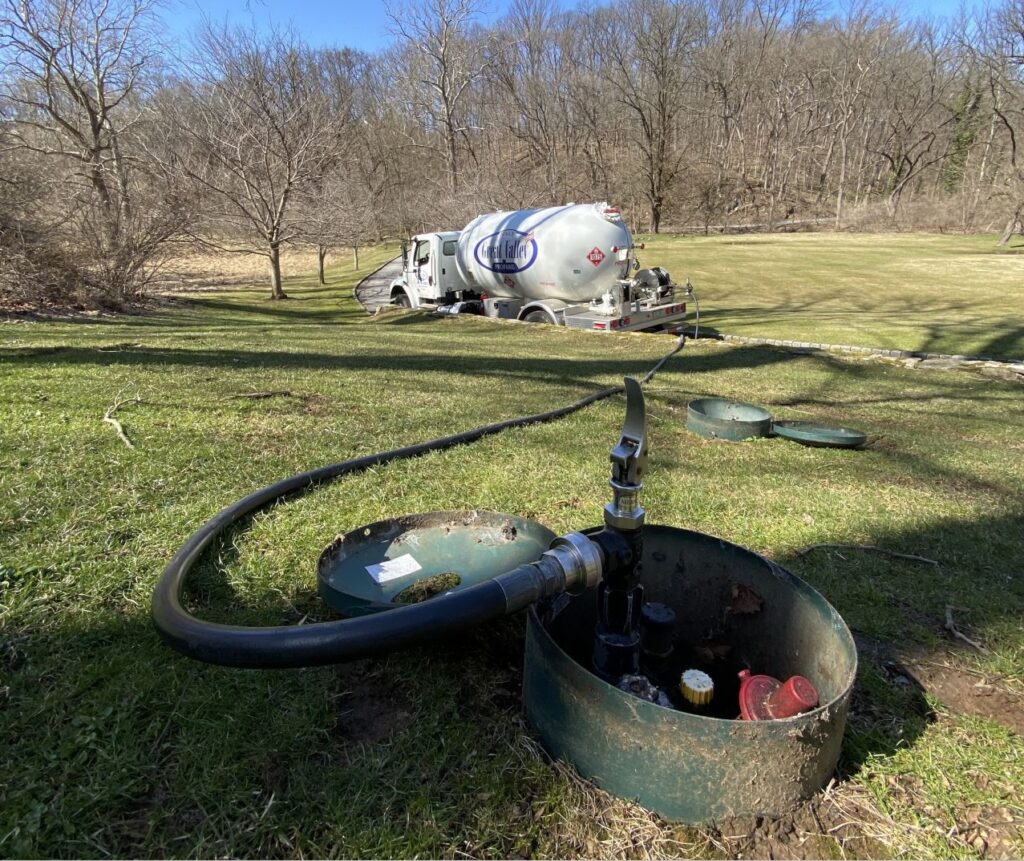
(114,745)
(937,294)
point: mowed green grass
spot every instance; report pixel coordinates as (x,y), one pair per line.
(114,745)
(937,294)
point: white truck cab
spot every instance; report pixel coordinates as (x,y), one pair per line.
(429,272)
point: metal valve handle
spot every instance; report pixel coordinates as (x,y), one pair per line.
(629,463)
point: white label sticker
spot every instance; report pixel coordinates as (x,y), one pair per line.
(392,569)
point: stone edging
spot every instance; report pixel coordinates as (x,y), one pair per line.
(1006,368)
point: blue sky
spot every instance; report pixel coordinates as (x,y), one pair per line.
(322,23)
(364,25)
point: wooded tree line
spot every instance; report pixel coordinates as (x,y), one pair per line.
(116,147)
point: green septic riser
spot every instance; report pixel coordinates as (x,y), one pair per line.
(718,418)
(687,767)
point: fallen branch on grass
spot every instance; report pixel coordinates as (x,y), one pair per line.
(870,548)
(108,417)
(960,635)
(257,396)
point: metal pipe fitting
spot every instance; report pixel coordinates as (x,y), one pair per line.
(579,558)
(571,565)
(624,512)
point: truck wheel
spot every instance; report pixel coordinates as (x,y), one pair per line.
(401,300)
(537,317)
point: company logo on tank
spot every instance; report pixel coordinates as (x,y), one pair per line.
(506,251)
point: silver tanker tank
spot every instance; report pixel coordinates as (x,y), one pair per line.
(574,253)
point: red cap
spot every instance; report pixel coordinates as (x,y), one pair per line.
(796,695)
(766,698)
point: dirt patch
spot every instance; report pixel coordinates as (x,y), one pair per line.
(817,829)
(961,690)
(993,832)
(944,675)
(370,707)
(844,822)
(315,405)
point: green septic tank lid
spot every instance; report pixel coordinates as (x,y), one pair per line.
(720,418)
(409,559)
(812,433)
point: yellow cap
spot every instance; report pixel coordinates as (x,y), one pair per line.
(697,687)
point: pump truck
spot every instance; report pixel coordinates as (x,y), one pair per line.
(572,265)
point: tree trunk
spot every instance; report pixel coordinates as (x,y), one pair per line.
(321,253)
(275,272)
(656,203)
(355,257)
(842,182)
(1012,226)
(451,154)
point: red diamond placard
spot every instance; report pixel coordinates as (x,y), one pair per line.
(595,256)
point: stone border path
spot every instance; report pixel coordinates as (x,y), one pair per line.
(1011,369)
(375,289)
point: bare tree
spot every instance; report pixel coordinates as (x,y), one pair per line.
(1000,45)
(648,44)
(533,95)
(742,112)
(860,41)
(338,212)
(73,76)
(916,85)
(444,58)
(257,125)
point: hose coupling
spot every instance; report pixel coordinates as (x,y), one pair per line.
(580,560)
(571,565)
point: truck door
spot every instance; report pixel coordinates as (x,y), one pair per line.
(422,269)
(450,281)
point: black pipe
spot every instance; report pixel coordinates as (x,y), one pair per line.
(342,639)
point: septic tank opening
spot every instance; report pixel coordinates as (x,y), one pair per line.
(428,587)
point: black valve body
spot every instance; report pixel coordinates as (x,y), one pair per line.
(619,600)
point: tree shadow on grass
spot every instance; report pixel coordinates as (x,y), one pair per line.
(959,320)
(556,369)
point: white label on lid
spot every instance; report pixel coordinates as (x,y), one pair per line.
(392,569)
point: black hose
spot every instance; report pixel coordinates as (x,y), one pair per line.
(343,639)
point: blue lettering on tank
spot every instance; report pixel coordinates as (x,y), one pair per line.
(507,251)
